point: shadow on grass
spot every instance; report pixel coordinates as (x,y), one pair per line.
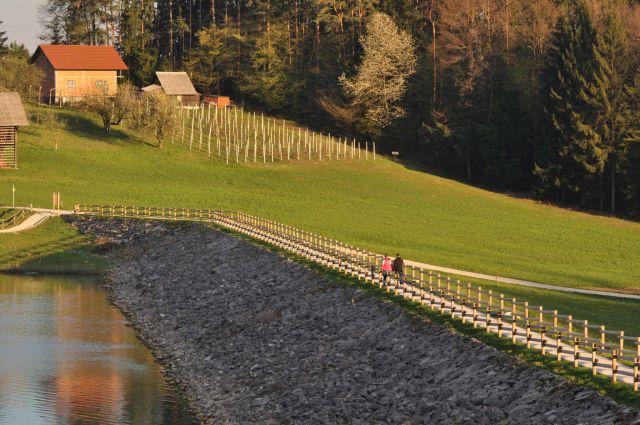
(79,122)
(65,256)
(520,195)
(620,392)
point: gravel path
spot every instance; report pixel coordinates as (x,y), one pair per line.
(255,338)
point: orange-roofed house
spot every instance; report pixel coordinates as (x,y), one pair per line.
(75,71)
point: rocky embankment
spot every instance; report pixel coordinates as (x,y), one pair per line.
(255,338)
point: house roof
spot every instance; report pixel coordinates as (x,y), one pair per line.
(81,57)
(176,83)
(11,110)
(151,88)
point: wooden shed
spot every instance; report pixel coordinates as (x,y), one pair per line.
(12,116)
(179,85)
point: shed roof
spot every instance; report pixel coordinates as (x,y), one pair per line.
(151,88)
(81,57)
(11,110)
(176,83)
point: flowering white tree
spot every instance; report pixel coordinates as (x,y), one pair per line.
(389,59)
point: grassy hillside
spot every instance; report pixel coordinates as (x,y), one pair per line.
(379,205)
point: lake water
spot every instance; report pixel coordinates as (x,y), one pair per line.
(67,357)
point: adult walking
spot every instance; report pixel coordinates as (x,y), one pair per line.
(398,268)
(386,268)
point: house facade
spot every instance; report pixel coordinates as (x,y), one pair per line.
(74,71)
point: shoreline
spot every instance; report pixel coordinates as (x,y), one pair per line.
(212,327)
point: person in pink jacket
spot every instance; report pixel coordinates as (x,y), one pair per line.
(386,268)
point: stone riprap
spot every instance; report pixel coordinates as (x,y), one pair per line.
(255,338)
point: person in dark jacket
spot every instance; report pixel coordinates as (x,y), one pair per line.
(398,268)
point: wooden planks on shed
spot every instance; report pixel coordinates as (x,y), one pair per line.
(8,148)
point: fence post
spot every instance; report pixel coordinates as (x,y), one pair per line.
(488,310)
(514,320)
(636,373)
(614,366)
(500,315)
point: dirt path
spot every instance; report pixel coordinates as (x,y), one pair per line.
(255,338)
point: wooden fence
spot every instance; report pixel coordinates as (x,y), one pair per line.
(585,344)
(13,220)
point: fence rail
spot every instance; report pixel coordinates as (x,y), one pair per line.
(13,220)
(606,352)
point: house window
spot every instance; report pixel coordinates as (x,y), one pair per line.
(71,84)
(102,84)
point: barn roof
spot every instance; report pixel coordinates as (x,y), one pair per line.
(176,83)
(11,110)
(80,57)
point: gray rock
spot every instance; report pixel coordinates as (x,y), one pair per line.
(253,338)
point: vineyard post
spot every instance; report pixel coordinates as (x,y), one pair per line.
(209,139)
(193,120)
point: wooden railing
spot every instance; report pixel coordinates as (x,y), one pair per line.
(585,344)
(13,220)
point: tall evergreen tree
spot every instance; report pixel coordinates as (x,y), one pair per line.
(569,85)
(3,42)
(610,95)
(136,30)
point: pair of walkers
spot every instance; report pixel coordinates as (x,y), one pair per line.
(396,266)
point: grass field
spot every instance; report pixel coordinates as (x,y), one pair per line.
(381,205)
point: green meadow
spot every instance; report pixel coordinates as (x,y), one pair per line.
(381,205)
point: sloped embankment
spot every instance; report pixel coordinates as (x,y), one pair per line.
(255,338)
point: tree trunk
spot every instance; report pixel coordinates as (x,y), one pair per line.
(613,188)
(433,52)
(601,192)
(171,34)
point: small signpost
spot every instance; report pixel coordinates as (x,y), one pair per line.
(395,154)
(56,201)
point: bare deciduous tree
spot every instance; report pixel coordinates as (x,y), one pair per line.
(155,114)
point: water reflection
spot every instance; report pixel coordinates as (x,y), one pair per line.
(66,356)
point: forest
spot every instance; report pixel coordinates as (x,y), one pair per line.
(529,96)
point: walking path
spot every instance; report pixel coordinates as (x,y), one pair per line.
(205,215)
(32,221)
(530,284)
(39,216)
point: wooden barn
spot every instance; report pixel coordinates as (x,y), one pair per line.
(12,116)
(178,85)
(75,71)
